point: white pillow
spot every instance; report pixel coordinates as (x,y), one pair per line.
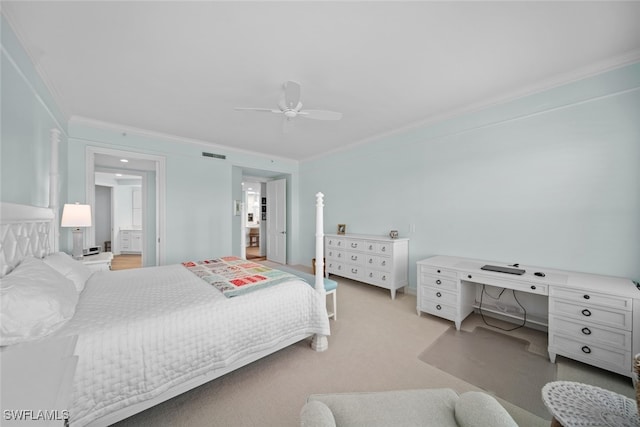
(69,268)
(35,300)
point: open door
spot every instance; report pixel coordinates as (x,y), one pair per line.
(277,221)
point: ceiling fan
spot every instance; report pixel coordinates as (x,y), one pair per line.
(290,106)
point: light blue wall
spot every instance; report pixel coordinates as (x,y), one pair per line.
(551,180)
(28,114)
(200,190)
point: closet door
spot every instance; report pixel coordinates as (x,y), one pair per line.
(277,221)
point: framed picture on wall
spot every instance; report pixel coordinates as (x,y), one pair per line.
(342,228)
(264,201)
(264,216)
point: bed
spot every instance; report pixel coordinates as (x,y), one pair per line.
(147,335)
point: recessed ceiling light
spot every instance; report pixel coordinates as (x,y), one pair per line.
(124,160)
(118,174)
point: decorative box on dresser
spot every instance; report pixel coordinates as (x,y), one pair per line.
(592,318)
(376,260)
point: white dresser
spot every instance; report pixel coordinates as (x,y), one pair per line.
(592,318)
(376,260)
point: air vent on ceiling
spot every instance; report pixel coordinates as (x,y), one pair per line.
(215,156)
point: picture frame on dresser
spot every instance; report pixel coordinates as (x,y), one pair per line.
(342,229)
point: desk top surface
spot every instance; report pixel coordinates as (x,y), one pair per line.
(553,277)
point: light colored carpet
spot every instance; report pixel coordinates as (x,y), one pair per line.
(473,356)
(374,346)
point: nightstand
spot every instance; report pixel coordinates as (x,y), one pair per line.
(98,262)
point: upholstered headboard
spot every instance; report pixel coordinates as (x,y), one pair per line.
(24,231)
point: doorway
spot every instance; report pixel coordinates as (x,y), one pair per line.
(258,204)
(140,205)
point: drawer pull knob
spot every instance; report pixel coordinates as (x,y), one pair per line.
(586,297)
(586,312)
(438,271)
(354,257)
(586,331)
(370,247)
(438,294)
(370,274)
(354,270)
(469,276)
(370,261)
(586,349)
(384,263)
(384,249)
(438,282)
(533,287)
(438,307)
(384,278)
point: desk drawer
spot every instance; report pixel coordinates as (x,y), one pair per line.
(591,298)
(430,295)
(590,334)
(518,285)
(589,353)
(438,282)
(588,313)
(437,271)
(438,309)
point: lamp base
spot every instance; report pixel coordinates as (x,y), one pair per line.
(77,244)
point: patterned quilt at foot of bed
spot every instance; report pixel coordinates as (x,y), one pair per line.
(235,276)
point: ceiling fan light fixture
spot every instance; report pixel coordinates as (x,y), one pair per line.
(290,114)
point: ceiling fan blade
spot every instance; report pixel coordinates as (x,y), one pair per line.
(262,110)
(291,94)
(320,114)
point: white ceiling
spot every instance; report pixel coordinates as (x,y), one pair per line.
(180,68)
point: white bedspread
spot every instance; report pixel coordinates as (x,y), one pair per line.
(143,331)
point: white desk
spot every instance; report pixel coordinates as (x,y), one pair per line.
(591,318)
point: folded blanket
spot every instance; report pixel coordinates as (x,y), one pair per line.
(235,276)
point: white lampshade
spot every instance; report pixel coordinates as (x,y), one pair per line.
(76,215)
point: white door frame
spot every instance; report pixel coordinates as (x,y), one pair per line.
(160,162)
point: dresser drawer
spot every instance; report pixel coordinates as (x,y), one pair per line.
(334,242)
(335,267)
(354,245)
(335,254)
(356,258)
(430,295)
(378,262)
(590,353)
(378,277)
(437,271)
(590,333)
(592,298)
(438,282)
(588,313)
(354,271)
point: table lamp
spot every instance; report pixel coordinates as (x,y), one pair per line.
(76,216)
